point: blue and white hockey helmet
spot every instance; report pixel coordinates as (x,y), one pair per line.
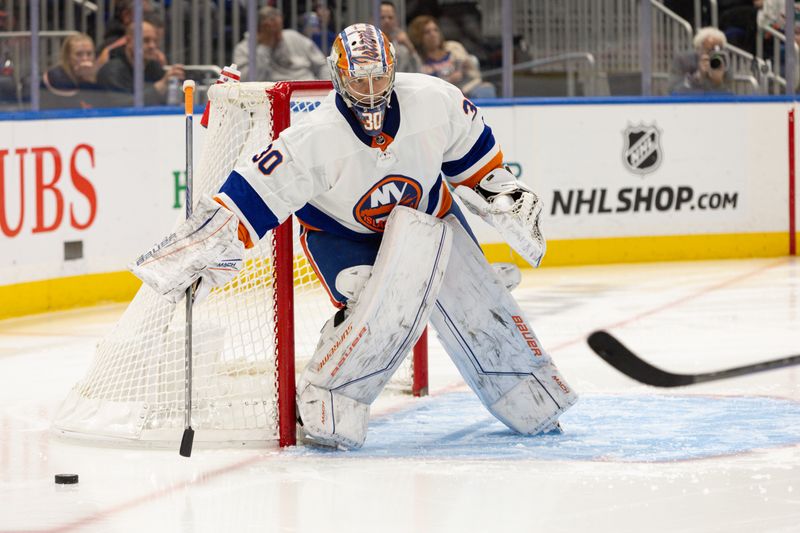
(362,68)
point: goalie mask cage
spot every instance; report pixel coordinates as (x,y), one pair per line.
(245,335)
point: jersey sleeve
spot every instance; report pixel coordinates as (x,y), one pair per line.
(265,189)
(473,151)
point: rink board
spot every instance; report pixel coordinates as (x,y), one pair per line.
(622,181)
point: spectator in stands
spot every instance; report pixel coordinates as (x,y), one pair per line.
(281,54)
(75,72)
(405,55)
(706,69)
(773,14)
(117,73)
(149,15)
(121,19)
(317,20)
(448,60)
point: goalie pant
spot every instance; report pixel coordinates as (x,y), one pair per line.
(425,268)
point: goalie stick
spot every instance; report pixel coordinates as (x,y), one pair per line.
(620,357)
(188,433)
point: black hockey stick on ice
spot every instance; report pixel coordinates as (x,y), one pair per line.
(620,357)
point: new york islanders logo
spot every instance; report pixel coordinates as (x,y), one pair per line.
(374,207)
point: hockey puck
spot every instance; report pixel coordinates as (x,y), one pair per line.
(66,479)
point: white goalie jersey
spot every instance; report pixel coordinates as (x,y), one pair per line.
(340,180)
(369,175)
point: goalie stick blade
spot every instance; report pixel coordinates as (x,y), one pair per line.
(617,355)
(620,357)
(187,441)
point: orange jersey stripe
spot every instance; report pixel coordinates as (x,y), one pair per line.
(472,181)
(243,234)
(336,303)
(309,227)
(447,201)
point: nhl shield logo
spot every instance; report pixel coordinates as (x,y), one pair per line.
(642,153)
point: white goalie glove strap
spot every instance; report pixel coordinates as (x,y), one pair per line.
(205,246)
(512,209)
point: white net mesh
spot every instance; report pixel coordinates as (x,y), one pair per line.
(135,386)
(134,389)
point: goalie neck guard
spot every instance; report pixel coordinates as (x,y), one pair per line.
(362,69)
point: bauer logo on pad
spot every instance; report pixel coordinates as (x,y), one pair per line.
(642,153)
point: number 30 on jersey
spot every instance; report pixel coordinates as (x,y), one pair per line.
(372,121)
(268,160)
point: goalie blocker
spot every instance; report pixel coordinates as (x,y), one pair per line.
(205,248)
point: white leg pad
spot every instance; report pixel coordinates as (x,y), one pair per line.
(491,343)
(357,358)
(528,407)
(332,419)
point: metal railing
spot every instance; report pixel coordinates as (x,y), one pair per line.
(557,35)
(197,31)
(15,56)
(85,10)
(750,73)
(63,15)
(777,79)
(698,13)
(588,74)
(672,35)
(608,29)
(209,30)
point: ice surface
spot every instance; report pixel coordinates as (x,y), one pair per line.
(625,428)
(721,456)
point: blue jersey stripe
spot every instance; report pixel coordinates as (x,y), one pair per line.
(257,213)
(456,212)
(481,147)
(433,195)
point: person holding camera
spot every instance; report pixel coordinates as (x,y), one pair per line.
(706,70)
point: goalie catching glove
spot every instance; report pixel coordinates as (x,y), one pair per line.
(204,247)
(511,208)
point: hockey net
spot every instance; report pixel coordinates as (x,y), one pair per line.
(244,346)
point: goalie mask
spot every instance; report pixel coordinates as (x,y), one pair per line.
(362,70)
